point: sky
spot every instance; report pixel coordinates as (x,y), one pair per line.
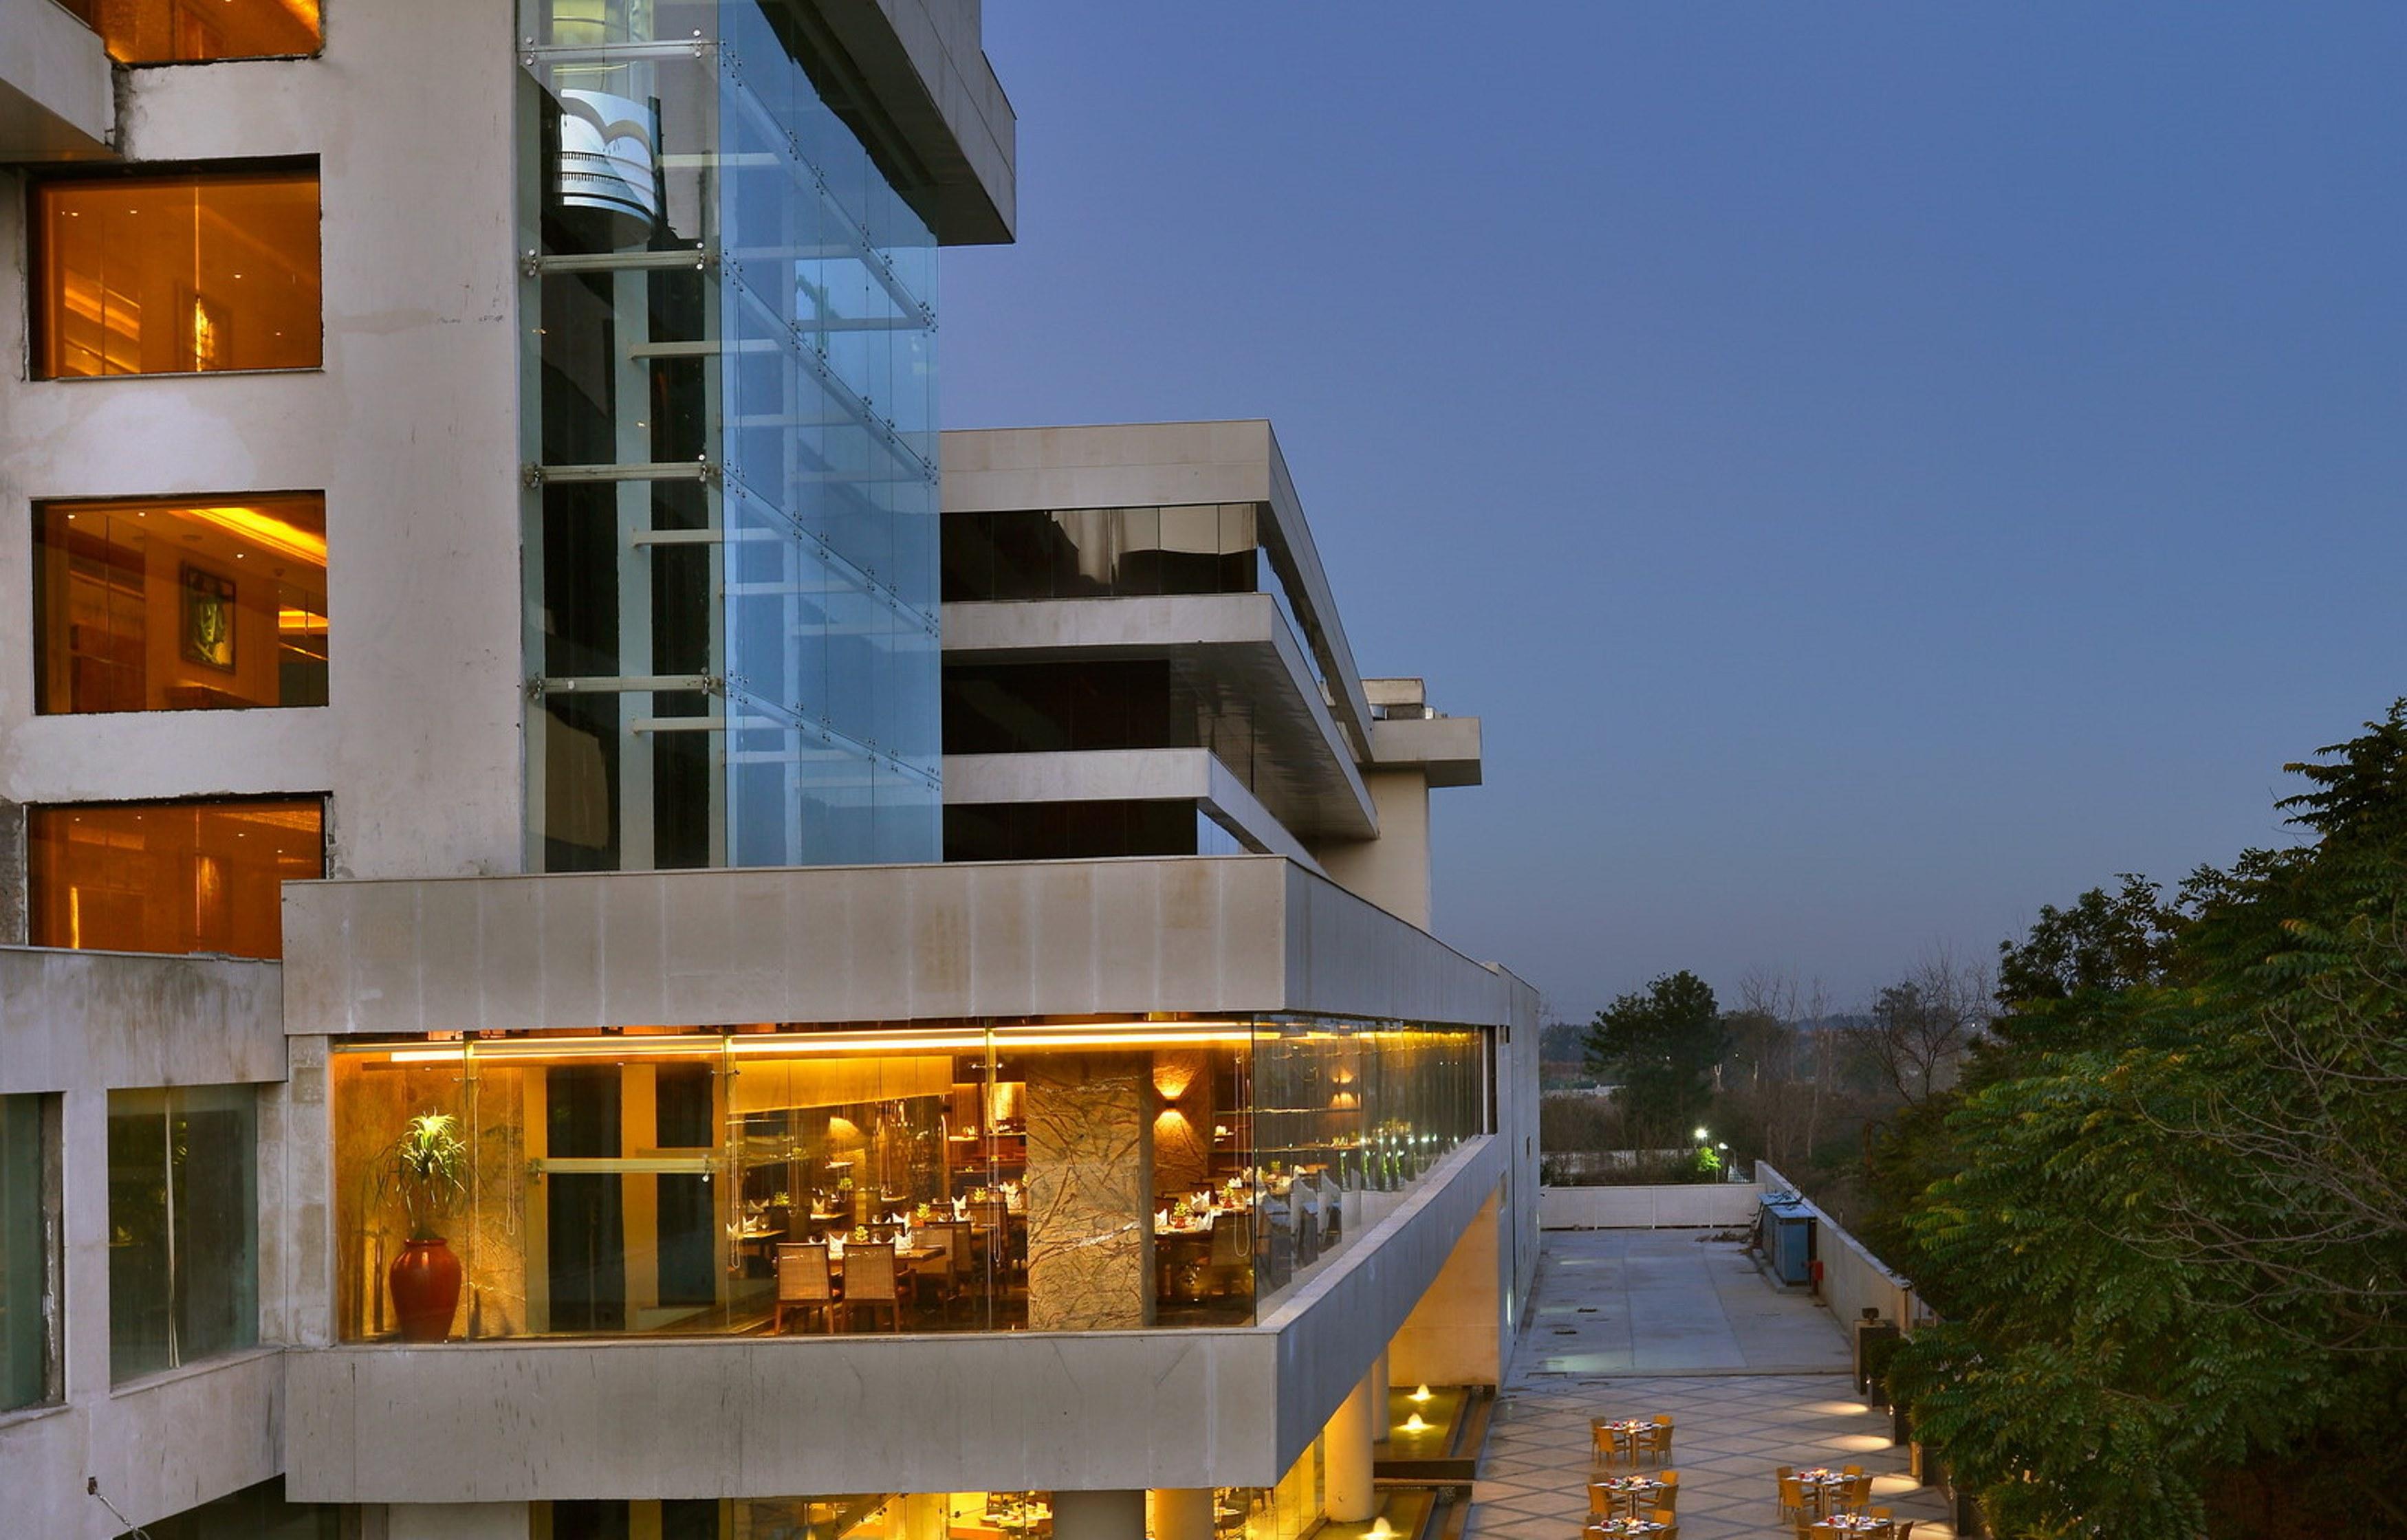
(1874,469)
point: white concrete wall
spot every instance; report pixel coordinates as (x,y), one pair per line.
(1853,1279)
(410,430)
(1230,933)
(1667,1207)
(1392,870)
(56,100)
(1454,1336)
(78,1025)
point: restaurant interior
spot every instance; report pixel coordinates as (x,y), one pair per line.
(1063,1176)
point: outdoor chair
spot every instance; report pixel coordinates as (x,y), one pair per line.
(805,1285)
(1858,1490)
(1659,1440)
(869,1282)
(1671,1522)
(1668,1495)
(1600,1499)
(1791,1495)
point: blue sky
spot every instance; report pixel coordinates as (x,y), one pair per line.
(1875,468)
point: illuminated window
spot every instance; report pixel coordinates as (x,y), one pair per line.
(171,32)
(170,876)
(173,274)
(179,604)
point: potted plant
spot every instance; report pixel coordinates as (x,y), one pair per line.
(428,1166)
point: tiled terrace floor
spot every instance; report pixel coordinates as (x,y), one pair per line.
(1633,1322)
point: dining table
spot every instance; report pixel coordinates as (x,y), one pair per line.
(1626,1432)
(1636,1491)
(1821,1486)
(1854,1523)
(1625,1526)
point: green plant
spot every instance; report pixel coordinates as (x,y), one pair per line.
(429,1164)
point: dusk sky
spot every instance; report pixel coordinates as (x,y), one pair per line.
(1876,469)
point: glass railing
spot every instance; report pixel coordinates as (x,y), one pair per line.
(1085,1177)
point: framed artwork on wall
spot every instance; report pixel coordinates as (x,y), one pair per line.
(209,618)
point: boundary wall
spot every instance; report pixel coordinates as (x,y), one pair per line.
(1851,1278)
(1715,1205)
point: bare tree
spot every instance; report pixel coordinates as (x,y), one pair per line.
(1922,1025)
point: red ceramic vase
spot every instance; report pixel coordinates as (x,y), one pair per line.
(425,1280)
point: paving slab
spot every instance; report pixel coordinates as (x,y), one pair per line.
(1636,1322)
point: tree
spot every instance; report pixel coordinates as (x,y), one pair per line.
(2168,1230)
(1923,1023)
(1661,1046)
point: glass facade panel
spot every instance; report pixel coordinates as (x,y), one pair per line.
(29,1256)
(179,274)
(733,436)
(170,876)
(183,1227)
(173,604)
(170,32)
(1291,1511)
(949,1178)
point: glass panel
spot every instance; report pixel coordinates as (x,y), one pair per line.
(790,364)
(170,876)
(28,1255)
(254,1513)
(161,32)
(169,604)
(933,1179)
(174,274)
(183,1203)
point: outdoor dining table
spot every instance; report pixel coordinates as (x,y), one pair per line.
(1854,1523)
(1820,1485)
(1626,1526)
(1625,1433)
(1634,1490)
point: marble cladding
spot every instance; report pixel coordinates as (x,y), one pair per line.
(1089,1191)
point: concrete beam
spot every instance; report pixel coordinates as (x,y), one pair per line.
(1241,934)
(1121,775)
(57,99)
(98,1021)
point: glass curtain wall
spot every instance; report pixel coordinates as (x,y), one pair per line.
(731,436)
(948,1178)
(28,1255)
(183,1222)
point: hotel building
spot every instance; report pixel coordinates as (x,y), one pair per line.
(910,996)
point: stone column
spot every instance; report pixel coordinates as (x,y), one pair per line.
(1097,1515)
(1347,1484)
(1181,1513)
(926,1515)
(1089,1191)
(1380,1389)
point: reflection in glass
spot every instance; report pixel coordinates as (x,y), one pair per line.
(735,607)
(183,1222)
(176,275)
(170,876)
(925,1180)
(168,604)
(167,31)
(28,1255)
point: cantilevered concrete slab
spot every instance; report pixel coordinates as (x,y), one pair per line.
(57,102)
(1160,465)
(1123,775)
(1203,934)
(1233,649)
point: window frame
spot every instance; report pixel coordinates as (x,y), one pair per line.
(38,255)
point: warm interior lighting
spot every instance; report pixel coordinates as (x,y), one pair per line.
(1421,1395)
(264,529)
(1136,1036)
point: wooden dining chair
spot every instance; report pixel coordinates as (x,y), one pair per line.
(806,1284)
(1792,1495)
(1669,1522)
(1659,1440)
(1668,1494)
(1602,1440)
(1600,1500)
(1858,1490)
(1902,1529)
(1851,1470)
(1229,1268)
(870,1282)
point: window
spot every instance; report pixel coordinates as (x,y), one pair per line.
(192,272)
(170,876)
(29,1251)
(176,604)
(172,32)
(183,1227)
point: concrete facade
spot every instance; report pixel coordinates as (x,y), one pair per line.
(428,922)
